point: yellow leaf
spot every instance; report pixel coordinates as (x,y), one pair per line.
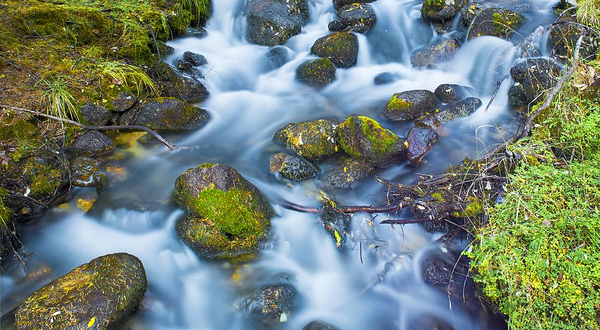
(91,322)
(85,204)
(338,238)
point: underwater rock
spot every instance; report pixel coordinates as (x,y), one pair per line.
(316,73)
(340,47)
(462,108)
(292,167)
(363,138)
(273,22)
(320,325)
(419,141)
(165,113)
(194,59)
(95,115)
(82,171)
(432,55)
(346,174)
(386,78)
(226,216)
(356,17)
(96,295)
(313,140)
(410,105)
(450,93)
(91,143)
(532,77)
(429,322)
(123,102)
(270,303)
(276,57)
(436,268)
(497,22)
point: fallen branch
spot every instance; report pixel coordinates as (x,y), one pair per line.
(405,221)
(342,209)
(97,128)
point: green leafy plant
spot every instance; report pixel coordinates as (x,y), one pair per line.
(59,102)
(200,9)
(129,76)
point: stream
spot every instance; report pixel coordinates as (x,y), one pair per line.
(376,283)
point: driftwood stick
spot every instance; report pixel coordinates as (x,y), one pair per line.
(405,221)
(342,209)
(98,128)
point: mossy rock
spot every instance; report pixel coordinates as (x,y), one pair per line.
(497,22)
(435,54)
(460,109)
(314,140)
(340,47)
(172,84)
(82,171)
(269,303)
(363,138)
(337,4)
(316,73)
(292,167)
(441,10)
(91,143)
(226,216)
(95,295)
(410,105)
(165,113)
(356,17)
(533,77)
(273,22)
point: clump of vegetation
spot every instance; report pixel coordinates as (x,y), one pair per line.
(59,102)
(129,76)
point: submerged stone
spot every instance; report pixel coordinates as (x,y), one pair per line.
(316,73)
(346,174)
(429,322)
(435,54)
(314,140)
(270,303)
(194,59)
(276,57)
(340,47)
(385,78)
(226,216)
(96,295)
(419,141)
(462,108)
(165,113)
(497,22)
(410,105)
(292,167)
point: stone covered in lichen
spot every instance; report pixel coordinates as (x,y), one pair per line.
(347,173)
(497,22)
(165,113)
(314,140)
(441,10)
(532,78)
(340,47)
(363,138)
(356,17)
(269,303)
(317,73)
(409,105)
(434,54)
(292,167)
(226,216)
(273,22)
(95,295)
(460,109)
(91,143)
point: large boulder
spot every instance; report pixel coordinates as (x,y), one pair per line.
(273,22)
(91,143)
(410,105)
(172,84)
(226,216)
(96,295)
(532,77)
(165,113)
(346,174)
(435,54)
(314,140)
(292,167)
(316,73)
(419,141)
(363,138)
(356,17)
(340,47)
(440,11)
(497,22)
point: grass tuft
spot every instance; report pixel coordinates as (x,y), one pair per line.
(58,100)
(130,77)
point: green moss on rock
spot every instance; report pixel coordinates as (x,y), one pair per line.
(314,140)
(340,47)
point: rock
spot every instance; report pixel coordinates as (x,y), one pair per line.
(496,22)
(96,295)
(95,115)
(356,17)
(314,140)
(363,138)
(194,59)
(441,11)
(320,325)
(419,141)
(463,108)
(409,105)
(270,303)
(123,102)
(435,54)
(316,73)
(532,76)
(468,14)
(276,57)
(386,78)
(82,171)
(226,216)
(564,36)
(347,174)
(194,32)
(436,268)
(337,4)
(429,322)
(173,84)
(428,122)
(91,143)
(292,167)
(340,47)
(185,66)
(165,113)
(450,93)
(273,22)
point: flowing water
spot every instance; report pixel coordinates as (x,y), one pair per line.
(376,283)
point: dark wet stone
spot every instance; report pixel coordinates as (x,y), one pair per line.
(386,78)
(123,102)
(497,22)
(269,303)
(195,32)
(428,122)
(185,66)
(340,47)
(273,22)
(292,167)
(435,54)
(462,108)
(337,4)
(276,57)
(420,140)
(95,115)
(346,174)
(441,11)
(314,140)
(533,77)
(91,143)
(336,224)
(436,268)
(564,36)
(226,216)
(165,114)
(82,171)
(172,84)
(356,17)
(363,138)
(194,59)
(429,322)
(468,14)
(409,105)
(316,73)
(96,295)
(450,93)
(320,325)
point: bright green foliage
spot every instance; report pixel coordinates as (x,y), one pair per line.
(59,102)
(588,12)
(129,76)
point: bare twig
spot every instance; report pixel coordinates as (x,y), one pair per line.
(405,221)
(342,209)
